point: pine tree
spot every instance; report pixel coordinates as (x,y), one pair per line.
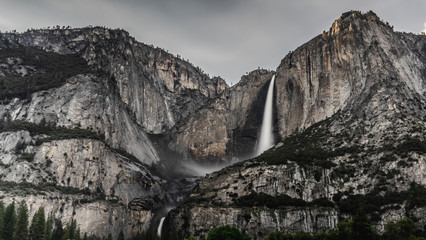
(58,232)
(38,225)
(120,235)
(9,222)
(66,233)
(85,236)
(72,229)
(109,236)
(1,217)
(361,227)
(49,226)
(77,235)
(21,232)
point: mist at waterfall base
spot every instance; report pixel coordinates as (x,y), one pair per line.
(201,169)
(266,138)
(182,168)
(179,187)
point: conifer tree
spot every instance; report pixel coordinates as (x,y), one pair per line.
(59,231)
(66,233)
(21,232)
(9,222)
(77,235)
(120,235)
(361,227)
(38,225)
(1,217)
(49,226)
(72,229)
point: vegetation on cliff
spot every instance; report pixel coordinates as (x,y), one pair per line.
(359,228)
(15,225)
(50,70)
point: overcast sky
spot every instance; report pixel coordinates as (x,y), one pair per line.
(226,38)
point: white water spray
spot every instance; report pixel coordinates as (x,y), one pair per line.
(266,139)
(160,226)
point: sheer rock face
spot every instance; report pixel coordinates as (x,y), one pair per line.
(366,81)
(333,71)
(158,88)
(228,126)
(214,202)
(139,90)
(86,101)
(359,89)
(94,218)
(256,223)
(94,185)
(113,192)
(339,67)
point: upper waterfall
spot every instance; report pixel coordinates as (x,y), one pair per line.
(266,138)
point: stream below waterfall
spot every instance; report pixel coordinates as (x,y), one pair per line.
(177,191)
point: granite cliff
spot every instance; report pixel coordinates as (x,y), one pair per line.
(90,120)
(331,72)
(350,107)
(158,88)
(77,107)
(228,126)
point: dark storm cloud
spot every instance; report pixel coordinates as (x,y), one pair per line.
(224,37)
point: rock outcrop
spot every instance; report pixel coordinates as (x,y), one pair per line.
(87,102)
(157,87)
(332,71)
(80,179)
(337,68)
(351,115)
(91,163)
(227,127)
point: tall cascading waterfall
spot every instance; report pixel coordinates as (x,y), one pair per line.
(266,138)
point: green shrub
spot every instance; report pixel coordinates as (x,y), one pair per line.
(29,157)
(411,145)
(53,132)
(54,70)
(373,201)
(226,233)
(403,229)
(20,146)
(277,235)
(280,201)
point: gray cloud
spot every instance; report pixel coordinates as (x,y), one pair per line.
(224,37)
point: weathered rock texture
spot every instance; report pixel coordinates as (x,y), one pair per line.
(132,90)
(332,71)
(158,88)
(349,111)
(339,67)
(88,102)
(228,126)
(101,189)
(354,101)
(256,223)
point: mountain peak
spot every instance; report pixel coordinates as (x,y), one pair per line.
(370,15)
(352,20)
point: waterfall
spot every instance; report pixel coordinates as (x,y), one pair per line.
(160,226)
(266,138)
